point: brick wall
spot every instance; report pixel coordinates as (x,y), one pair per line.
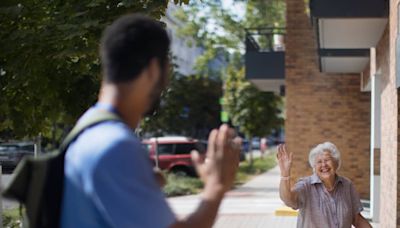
(323,107)
(389,208)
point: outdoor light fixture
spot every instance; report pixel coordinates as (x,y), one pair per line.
(346,30)
(265,59)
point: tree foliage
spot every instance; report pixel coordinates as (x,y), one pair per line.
(49,62)
(216,29)
(255,112)
(190,107)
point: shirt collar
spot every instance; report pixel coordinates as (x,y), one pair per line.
(315,179)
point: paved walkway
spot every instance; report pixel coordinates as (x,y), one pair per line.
(251,205)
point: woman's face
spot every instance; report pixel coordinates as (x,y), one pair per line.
(325,166)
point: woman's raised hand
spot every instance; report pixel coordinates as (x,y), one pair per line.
(284,160)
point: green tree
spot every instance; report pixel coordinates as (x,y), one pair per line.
(190,107)
(256,113)
(49,62)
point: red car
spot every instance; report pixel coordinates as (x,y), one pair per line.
(174,153)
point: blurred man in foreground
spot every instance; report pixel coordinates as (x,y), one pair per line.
(109,180)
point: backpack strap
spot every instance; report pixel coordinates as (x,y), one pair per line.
(96,118)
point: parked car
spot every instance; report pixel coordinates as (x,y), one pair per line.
(12,153)
(174,153)
(255,143)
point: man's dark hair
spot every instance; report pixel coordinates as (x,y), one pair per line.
(128,45)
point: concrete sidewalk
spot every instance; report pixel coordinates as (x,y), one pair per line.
(251,205)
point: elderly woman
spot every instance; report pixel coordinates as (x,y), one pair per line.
(324,199)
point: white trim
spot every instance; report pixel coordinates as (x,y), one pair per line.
(375,144)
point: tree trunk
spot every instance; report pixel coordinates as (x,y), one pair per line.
(251,158)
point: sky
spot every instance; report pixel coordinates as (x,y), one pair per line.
(234,6)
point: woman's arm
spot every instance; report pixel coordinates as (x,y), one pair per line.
(288,196)
(361,222)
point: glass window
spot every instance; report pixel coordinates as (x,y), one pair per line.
(8,148)
(28,147)
(184,148)
(165,149)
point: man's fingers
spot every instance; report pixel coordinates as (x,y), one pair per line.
(222,140)
(212,139)
(231,133)
(198,161)
(196,158)
(237,141)
(236,145)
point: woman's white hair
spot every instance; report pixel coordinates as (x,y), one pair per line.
(321,148)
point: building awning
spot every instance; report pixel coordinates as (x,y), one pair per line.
(346,30)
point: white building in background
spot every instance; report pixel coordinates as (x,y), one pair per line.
(184,49)
(185,54)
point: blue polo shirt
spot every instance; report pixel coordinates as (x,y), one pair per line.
(109,181)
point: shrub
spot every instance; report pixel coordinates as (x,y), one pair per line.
(178,185)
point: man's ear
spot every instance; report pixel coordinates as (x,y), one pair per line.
(154,69)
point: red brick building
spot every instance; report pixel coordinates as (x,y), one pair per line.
(341,79)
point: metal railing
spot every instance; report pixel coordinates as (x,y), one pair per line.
(268,39)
